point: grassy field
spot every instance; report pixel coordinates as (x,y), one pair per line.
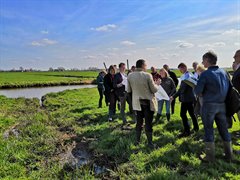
(36,79)
(45,78)
(34,139)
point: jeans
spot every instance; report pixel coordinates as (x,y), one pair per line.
(160,106)
(100,91)
(215,111)
(123,106)
(188,107)
(146,114)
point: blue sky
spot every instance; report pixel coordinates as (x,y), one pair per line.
(85,33)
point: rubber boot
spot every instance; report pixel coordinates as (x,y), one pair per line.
(168,117)
(157,119)
(149,138)
(209,156)
(228,151)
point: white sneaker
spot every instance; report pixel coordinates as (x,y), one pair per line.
(109,119)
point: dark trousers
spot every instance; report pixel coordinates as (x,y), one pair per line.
(188,107)
(112,105)
(129,101)
(146,114)
(173,105)
(100,91)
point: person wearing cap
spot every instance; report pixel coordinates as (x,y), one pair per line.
(100,85)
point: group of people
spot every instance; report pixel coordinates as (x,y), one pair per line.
(138,89)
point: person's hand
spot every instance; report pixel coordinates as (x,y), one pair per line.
(158,82)
(171,98)
(119,85)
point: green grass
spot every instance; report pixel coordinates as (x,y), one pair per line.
(33,79)
(33,155)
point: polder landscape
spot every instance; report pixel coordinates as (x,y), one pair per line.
(68,137)
(51,53)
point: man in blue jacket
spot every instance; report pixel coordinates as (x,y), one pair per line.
(213,85)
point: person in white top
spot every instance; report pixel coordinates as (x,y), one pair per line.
(120,87)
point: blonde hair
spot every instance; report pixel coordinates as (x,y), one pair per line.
(164,70)
(200,68)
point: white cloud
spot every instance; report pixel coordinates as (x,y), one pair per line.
(216,44)
(128,43)
(237,44)
(44,32)
(44,42)
(113,49)
(184,44)
(127,54)
(105,28)
(89,57)
(35,43)
(151,49)
(231,32)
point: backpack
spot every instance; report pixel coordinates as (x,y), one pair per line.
(232,103)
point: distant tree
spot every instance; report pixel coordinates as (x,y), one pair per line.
(21,69)
(92,68)
(50,69)
(61,69)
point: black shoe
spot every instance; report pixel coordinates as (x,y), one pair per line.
(184,134)
(168,117)
(119,106)
(157,119)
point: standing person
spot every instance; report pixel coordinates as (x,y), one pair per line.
(120,86)
(187,99)
(236,75)
(198,108)
(175,79)
(194,65)
(129,98)
(101,89)
(133,68)
(155,74)
(109,92)
(170,88)
(213,85)
(143,89)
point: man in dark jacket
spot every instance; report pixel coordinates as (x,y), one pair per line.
(187,99)
(175,79)
(213,85)
(236,75)
(120,86)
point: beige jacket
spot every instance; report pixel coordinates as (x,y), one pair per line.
(142,86)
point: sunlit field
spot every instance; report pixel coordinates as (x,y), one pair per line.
(44,142)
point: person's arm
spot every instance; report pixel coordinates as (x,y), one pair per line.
(106,84)
(116,80)
(173,87)
(198,90)
(129,88)
(175,79)
(236,82)
(153,87)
